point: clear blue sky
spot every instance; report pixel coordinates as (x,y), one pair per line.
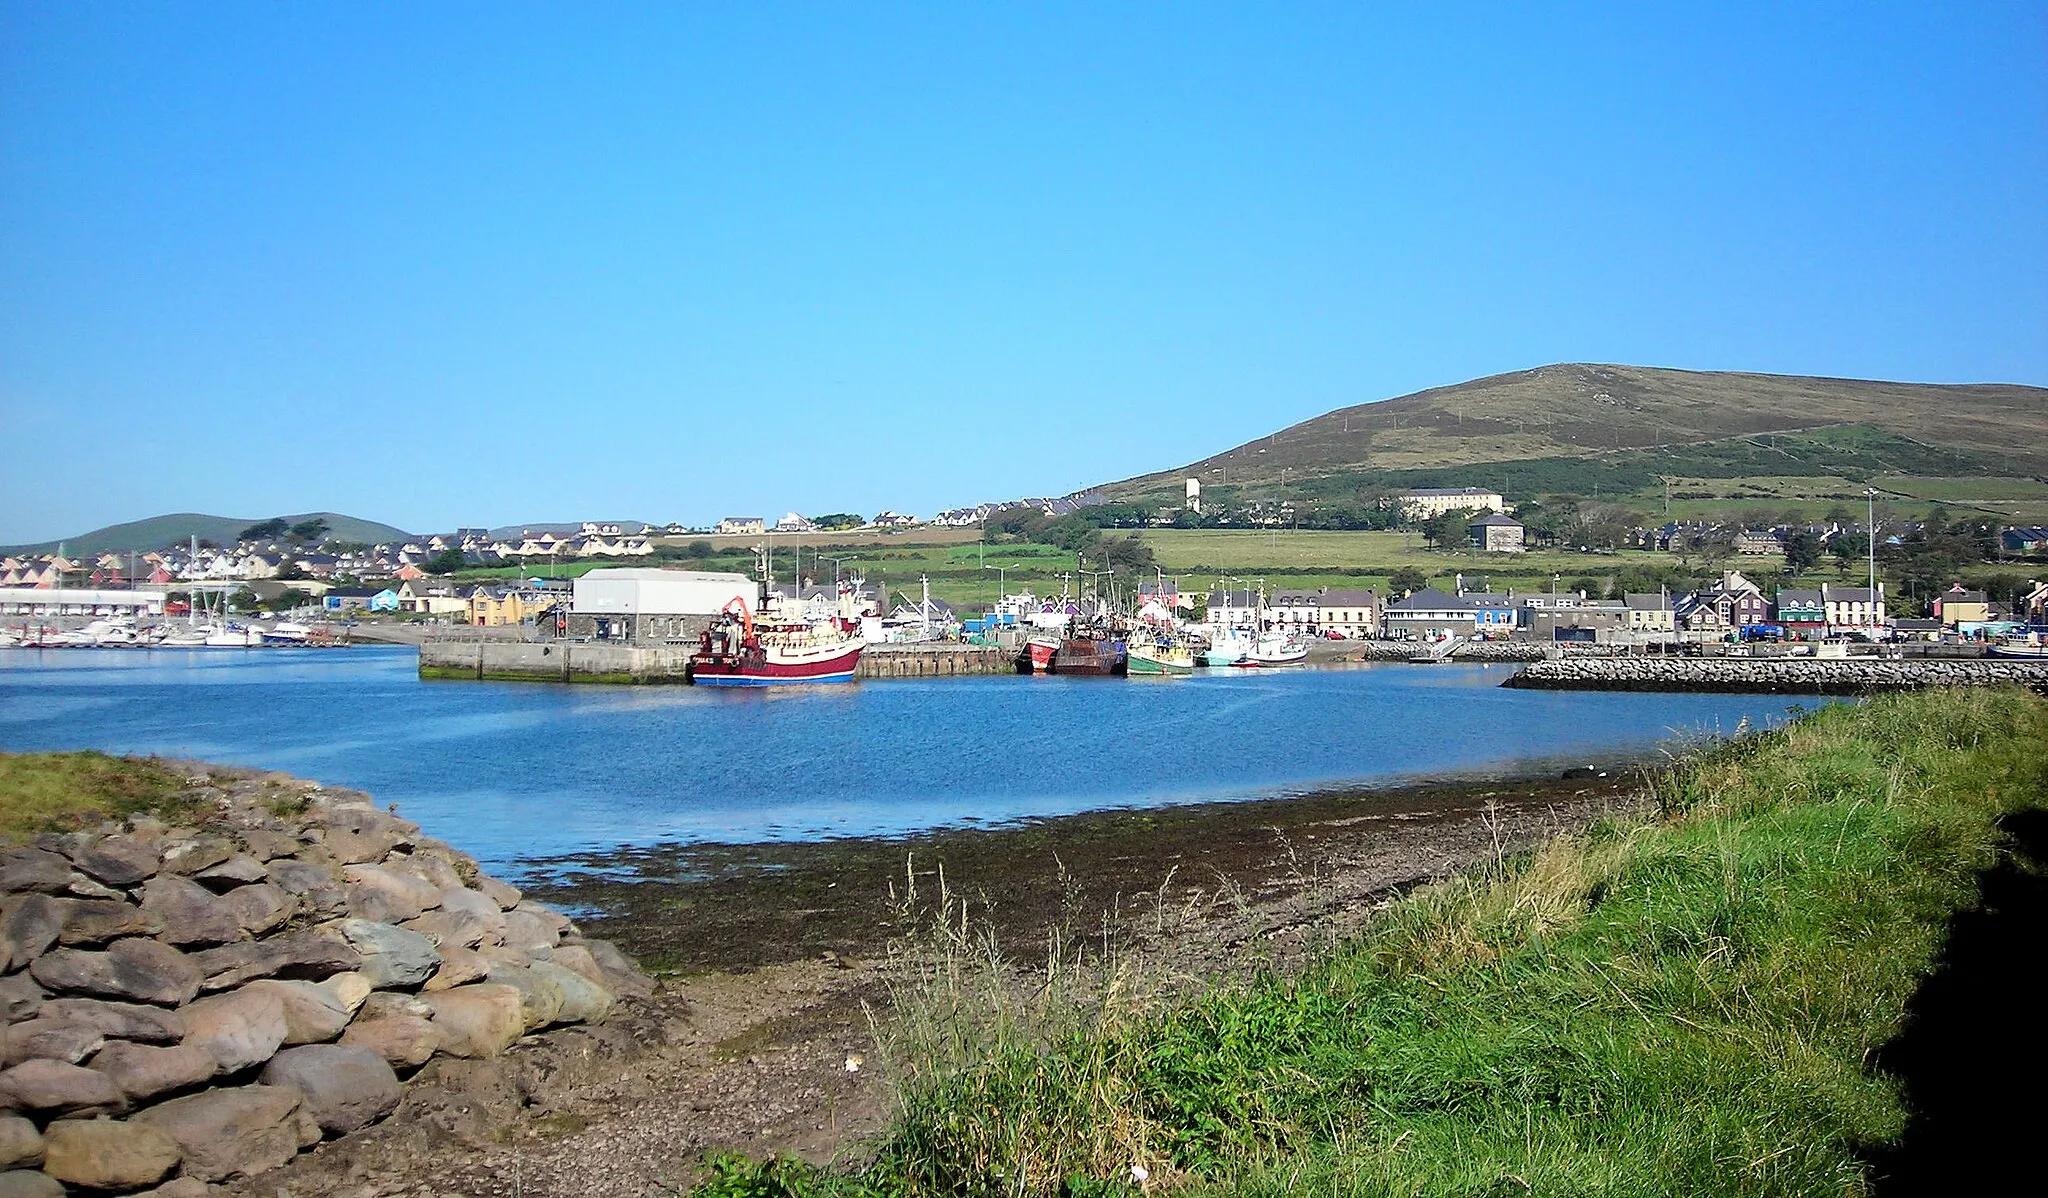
(483,264)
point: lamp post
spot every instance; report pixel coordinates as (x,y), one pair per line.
(1870,526)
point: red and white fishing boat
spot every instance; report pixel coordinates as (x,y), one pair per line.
(738,651)
(1041,650)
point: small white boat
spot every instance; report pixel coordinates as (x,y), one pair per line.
(1280,649)
(285,632)
(232,637)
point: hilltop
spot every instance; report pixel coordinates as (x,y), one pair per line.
(139,536)
(1584,420)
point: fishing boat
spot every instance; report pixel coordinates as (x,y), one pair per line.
(1040,650)
(1229,648)
(1089,656)
(777,650)
(1279,649)
(1159,655)
(2016,649)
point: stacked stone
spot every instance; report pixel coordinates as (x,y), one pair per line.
(1786,675)
(186,1005)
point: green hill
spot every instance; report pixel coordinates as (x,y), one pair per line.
(1569,426)
(158,532)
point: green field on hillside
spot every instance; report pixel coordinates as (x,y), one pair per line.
(1276,550)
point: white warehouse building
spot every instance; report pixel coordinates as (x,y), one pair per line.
(653,592)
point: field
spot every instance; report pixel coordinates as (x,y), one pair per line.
(1276,551)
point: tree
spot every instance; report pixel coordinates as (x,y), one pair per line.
(290,571)
(268,530)
(697,549)
(1446,529)
(309,530)
(291,599)
(1802,552)
(838,520)
(1407,580)
(448,561)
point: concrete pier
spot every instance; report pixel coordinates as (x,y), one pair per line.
(583,661)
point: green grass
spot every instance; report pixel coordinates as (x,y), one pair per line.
(46,792)
(1239,551)
(1683,1004)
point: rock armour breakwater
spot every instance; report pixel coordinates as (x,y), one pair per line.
(1796,675)
(186,1005)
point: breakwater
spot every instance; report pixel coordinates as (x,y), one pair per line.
(579,661)
(1783,675)
(203,1000)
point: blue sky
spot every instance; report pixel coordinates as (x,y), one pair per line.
(482,264)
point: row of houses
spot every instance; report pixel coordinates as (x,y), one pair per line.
(1734,604)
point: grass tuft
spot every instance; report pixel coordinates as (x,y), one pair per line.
(54,792)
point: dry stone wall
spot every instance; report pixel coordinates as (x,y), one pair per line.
(186,1005)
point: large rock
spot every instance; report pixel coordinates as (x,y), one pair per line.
(259,908)
(24,1183)
(96,922)
(406,1041)
(350,989)
(103,1154)
(241,1028)
(358,835)
(143,1071)
(621,975)
(192,914)
(314,886)
(313,953)
(459,966)
(345,1086)
(29,925)
(477,1021)
(55,1087)
(118,860)
(20,998)
(529,933)
(450,929)
(20,1143)
(50,1039)
(313,1014)
(266,845)
(119,1020)
(230,1133)
(401,892)
(25,869)
(504,894)
(430,866)
(238,870)
(540,999)
(583,1001)
(201,852)
(140,969)
(391,957)
(579,959)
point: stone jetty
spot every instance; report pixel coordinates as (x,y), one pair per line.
(187,1005)
(1775,675)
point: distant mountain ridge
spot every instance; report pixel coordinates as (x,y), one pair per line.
(1591,411)
(157,532)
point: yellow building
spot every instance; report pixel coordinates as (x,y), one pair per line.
(492,606)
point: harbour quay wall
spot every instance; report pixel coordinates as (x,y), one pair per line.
(554,661)
(578,661)
(934,661)
(1784,675)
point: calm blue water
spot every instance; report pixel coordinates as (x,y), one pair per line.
(513,771)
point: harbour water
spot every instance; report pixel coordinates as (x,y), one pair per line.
(521,771)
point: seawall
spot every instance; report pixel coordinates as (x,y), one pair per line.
(1793,675)
(577,661)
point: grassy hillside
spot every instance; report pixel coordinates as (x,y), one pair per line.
(1689,1002)
(1625,425)
(159,531)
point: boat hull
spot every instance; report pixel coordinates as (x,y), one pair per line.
(771,670)
(1141,662)
(1097,659)
(1041,653)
